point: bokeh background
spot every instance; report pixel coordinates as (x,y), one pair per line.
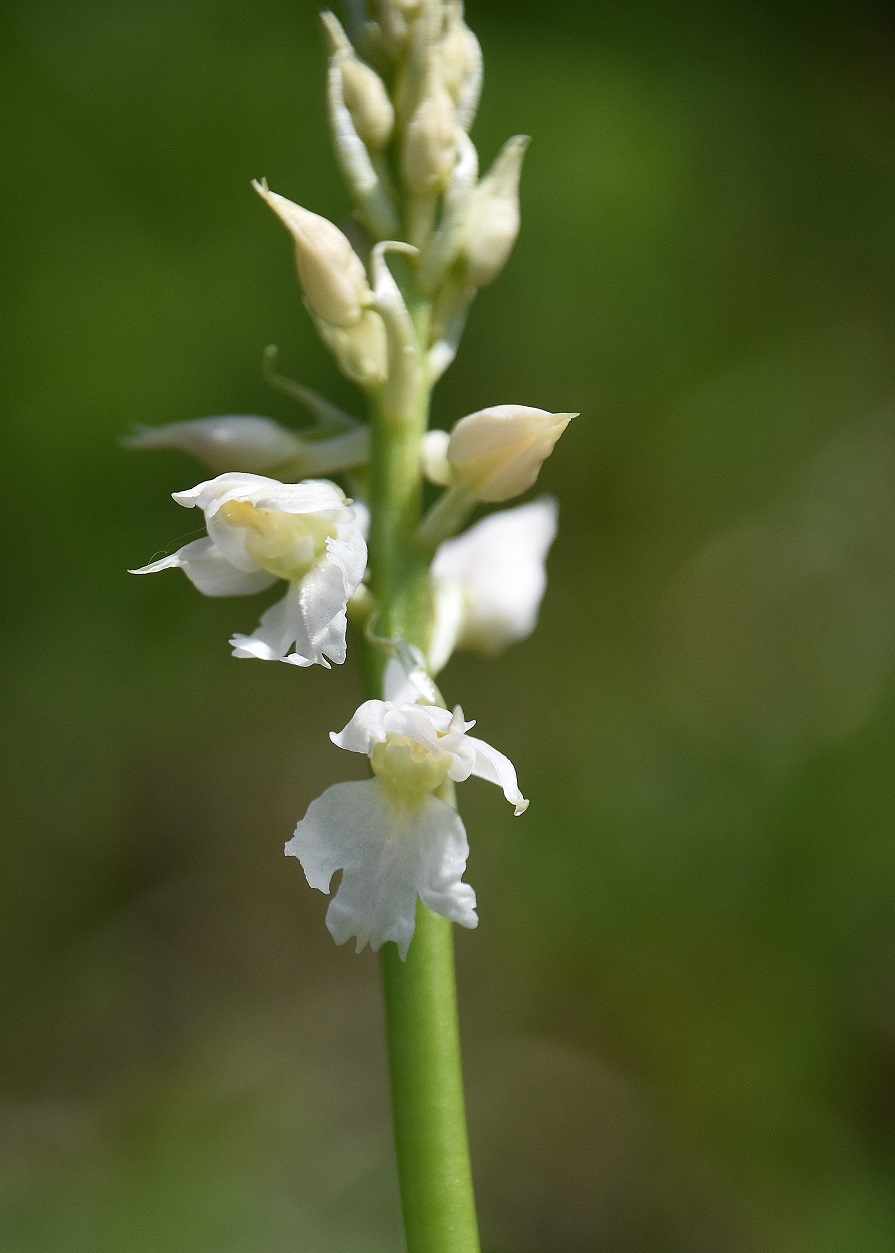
(679,1008)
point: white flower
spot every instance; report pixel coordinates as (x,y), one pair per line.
(261,530)
(487,584)
(390,836)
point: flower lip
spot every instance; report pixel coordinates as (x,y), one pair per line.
(389,857)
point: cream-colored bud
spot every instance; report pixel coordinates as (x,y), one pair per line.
(492,216)
(430,143)
(368,103)
(363,90)
(395,20)
(330,272)
(496,453)
(361,350)
(461,61)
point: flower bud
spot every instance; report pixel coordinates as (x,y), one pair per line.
(361,350)
(430,144)
(461,61)
(496,453)
(492,217)
(395,19)
(363,90)
(330,272)
(248,443)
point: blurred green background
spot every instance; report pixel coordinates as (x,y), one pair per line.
(679,1007)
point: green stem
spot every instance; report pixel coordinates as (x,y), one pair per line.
(420,993)
(427,1091)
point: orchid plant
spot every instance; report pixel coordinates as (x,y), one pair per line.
(336,512)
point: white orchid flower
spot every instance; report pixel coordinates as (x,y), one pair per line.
(487,584)
(391,837)
(261,530)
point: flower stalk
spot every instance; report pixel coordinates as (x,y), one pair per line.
(422,1026)
(423,1039)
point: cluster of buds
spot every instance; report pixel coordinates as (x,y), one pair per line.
(292,507)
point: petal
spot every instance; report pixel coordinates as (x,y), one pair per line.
(388,858)
(496,768)
(326,590)
(493,579)
(449,611)
(213,491)
(366,728)
(280,630)
(210,571)
(307,627)
(309,496)
(426,724)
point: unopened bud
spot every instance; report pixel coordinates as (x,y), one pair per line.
(330,272)
(247,443)
(395,18)
(363,90)
(430,144)
(492,216)
(361,350)
(496,453)
(461,61)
